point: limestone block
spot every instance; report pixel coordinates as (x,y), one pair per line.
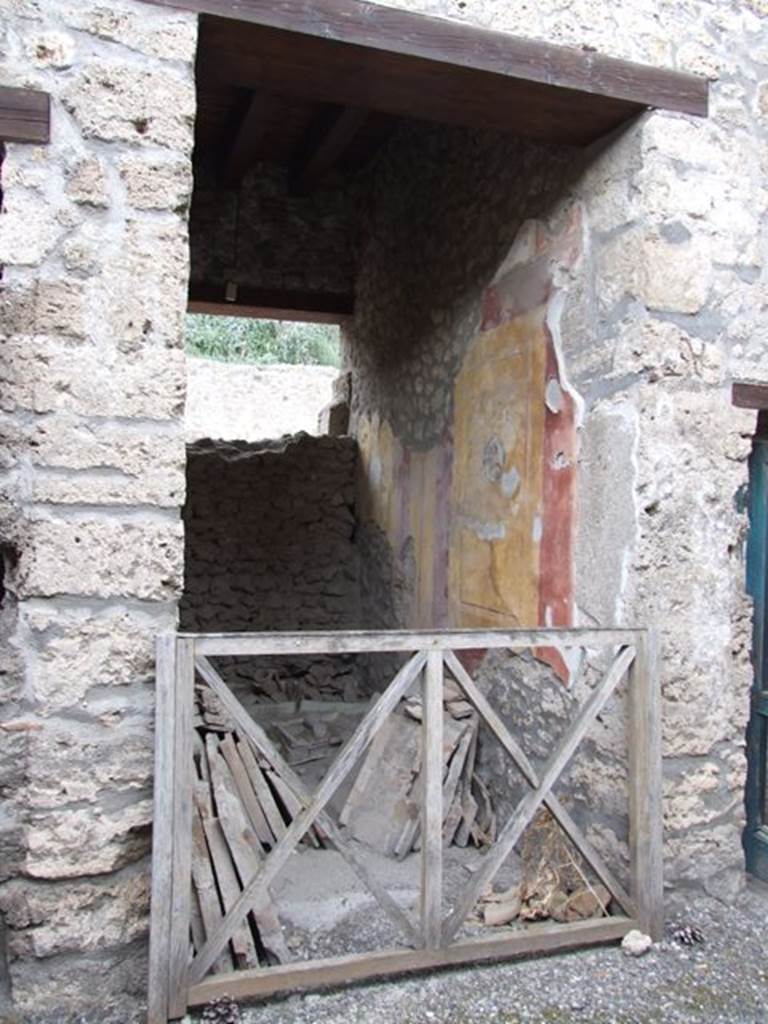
(96,463)
(102,557)
(658,348)
(143,296)
(687,795)
(77,842)
(44,376)
(87,182)
(81,253)
(115,101)
(164,34)
(79,650)
(29,229)
(50,49)
(77,763)
(76,916)
(710,857)
(671,276)
(152,184)
(60,308)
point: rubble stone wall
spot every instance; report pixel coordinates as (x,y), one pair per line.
(664,308)
(262,235)
(93,244)
(269,536)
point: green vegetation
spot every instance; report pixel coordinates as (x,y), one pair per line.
(233,339)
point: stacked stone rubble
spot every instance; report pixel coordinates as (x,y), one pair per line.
(270,545)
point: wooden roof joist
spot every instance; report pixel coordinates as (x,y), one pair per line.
(359,54)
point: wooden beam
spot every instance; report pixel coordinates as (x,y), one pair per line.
(272,304)
(750,396)
(242,153)
(370,642)
(25,115)
(537,938)
(326,145)
(387,29)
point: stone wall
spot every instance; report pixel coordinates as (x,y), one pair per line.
(242,402)
(269,532)
(662,309)
(262,235)
(93,243)
(270,545)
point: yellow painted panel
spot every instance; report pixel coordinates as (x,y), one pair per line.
(497,476)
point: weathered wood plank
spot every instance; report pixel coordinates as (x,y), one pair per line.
(444,42)
(645,795)
(245,790)
(432,801)
(162,830)
(364,641)
(548,938)
(531,802)
(183,768)
(263,792)
(25,115)
(246,854)
(558,811)
(241,942)
(211,909)
(354,747)
(272,304)
(749,396)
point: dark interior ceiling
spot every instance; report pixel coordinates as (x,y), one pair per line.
(315,102)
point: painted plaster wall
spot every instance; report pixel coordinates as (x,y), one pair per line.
(664,309)
(93,242)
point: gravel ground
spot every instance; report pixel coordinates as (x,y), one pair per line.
(722,981)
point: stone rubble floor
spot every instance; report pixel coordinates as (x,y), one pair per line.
(723,981)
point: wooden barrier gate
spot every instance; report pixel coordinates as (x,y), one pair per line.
(179,971)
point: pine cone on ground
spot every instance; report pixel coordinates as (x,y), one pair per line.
(222,1010)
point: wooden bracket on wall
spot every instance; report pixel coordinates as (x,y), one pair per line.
(749,396)
(25,115)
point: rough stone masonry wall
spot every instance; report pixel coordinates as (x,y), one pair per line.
(93,243)
(261,235)
(269,531)
(671,312)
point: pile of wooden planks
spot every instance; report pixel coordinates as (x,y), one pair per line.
(241,808)
(383,808)
(310,679)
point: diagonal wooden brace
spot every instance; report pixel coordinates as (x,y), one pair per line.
(275,860)
(254,732)
(531,802)
(551,802)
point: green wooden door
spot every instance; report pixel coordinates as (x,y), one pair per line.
(756,832)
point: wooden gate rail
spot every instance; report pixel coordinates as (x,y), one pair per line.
(178,976)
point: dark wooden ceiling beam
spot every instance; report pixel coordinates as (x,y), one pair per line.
(243,151)
(326,146)
(25,115)
(249,56)
(272,304)
(387,29)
